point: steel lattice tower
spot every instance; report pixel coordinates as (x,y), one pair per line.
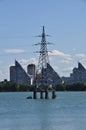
(43,57)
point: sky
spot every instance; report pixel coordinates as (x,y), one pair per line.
(22,20)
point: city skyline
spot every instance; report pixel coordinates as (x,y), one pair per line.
(21,21)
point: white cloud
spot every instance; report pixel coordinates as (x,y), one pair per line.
(63,57)
(60,54)
(81,56)
(61,62)
(65,61)
(14,51)
(67,69)
(3,75)
(29,61)
(63,70)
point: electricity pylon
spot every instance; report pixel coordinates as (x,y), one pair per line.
(43,57)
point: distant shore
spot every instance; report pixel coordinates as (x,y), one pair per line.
(7,86)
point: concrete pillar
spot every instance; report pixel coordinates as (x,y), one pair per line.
(53,94)
(46,94)
(34,95)
(41,95)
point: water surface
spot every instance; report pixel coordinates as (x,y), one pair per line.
(66,112)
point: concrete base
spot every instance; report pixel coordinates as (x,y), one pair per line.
(41,95)
(46,94)
(53,95)
(34,95)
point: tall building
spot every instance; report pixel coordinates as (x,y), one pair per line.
(53,76)
(31,71)
(48,77)
(78,75)
(18,74)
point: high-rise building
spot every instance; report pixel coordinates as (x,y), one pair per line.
(18,74)
(78,75)
(31,71)
(48,77)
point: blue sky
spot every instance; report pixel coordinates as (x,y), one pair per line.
(22,20)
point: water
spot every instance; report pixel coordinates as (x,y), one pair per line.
(66,112)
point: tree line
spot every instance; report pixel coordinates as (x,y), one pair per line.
(7,86)
(79,86)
